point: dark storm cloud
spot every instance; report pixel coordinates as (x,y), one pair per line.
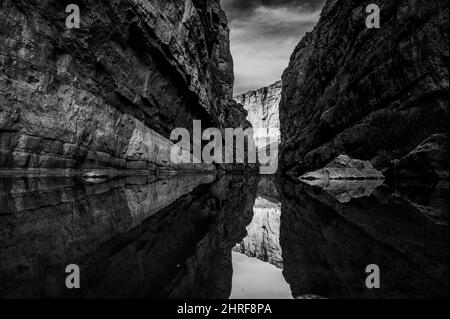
(263,35)
(241,8)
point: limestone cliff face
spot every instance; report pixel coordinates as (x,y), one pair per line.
(109,94)
(373,94)
(263,114)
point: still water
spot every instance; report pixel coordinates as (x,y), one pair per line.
(230,236)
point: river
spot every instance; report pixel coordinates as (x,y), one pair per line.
(220,236)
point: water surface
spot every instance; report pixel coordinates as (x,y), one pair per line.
(209,236)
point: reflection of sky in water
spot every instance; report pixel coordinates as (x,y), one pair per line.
(263,233)
(255,259)
(255,279)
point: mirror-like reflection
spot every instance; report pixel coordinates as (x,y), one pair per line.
(49,222)
(226,236)
(263,233)
(255,279)
(327,244)
(258,260)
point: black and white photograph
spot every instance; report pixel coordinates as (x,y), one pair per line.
(224,155)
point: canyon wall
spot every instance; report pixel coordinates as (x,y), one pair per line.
(107,95)
(262,107)
(373,94)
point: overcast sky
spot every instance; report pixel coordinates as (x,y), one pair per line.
(264,33)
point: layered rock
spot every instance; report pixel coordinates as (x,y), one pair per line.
(262,106)
(109,94)
(374,94)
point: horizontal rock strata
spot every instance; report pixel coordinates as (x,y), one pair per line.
(109,94)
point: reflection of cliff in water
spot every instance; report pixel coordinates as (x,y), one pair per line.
(182,249)
(328,244)
(263,233)
(257,259)
(184,252)
(176,238)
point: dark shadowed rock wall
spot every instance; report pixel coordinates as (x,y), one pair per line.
(109,94)
(373,94)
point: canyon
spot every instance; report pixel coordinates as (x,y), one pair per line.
(108,95)
(361,117)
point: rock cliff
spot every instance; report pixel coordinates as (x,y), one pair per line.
(262,107)
(374,94)
(109,93)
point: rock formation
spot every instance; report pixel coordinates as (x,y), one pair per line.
(346,178)
(374,94)
(263,114)
(109,94)
(344,168)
